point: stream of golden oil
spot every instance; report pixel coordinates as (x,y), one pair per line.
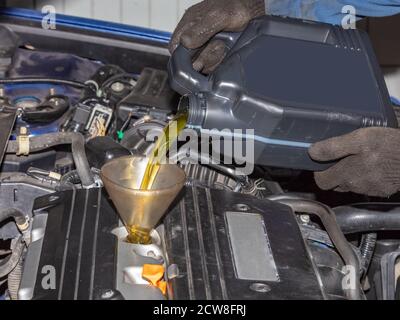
(136,234)
(161,148)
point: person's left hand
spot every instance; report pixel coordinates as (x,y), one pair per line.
(369,162)
(207,18)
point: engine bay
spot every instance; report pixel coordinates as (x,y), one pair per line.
(66,113)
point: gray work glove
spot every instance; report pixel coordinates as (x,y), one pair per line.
(369,162)
(207,18)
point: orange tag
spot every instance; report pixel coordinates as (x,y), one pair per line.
(154,273)
(162,285)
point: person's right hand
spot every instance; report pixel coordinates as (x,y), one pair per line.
(369,162)
(207,18)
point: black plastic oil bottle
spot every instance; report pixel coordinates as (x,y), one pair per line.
(294,82)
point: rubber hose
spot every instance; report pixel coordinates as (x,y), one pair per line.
(17,215)
(9,263)
(328,219)
(369,217)
(49,140)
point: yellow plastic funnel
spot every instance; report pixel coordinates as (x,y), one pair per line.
(140,210)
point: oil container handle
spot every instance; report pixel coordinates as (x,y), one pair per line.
(182,77)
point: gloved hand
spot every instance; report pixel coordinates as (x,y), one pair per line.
(369,162)
(207,18)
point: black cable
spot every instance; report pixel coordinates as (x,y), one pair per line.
(14,278)
(46,141)
(71,83)
(367,247)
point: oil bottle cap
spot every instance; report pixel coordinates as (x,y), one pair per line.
(197,109)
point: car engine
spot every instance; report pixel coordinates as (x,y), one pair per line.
(65,113)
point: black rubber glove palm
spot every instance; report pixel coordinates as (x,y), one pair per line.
(369,162)
(205,19)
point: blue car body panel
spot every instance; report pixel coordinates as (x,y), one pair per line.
(91,24)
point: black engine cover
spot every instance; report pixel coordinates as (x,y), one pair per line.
(225,245)
(78,244)
(233,246)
